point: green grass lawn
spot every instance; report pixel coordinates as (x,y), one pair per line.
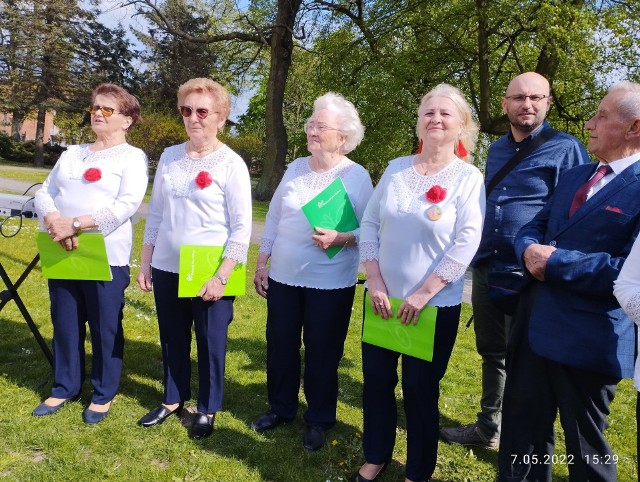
(62,447)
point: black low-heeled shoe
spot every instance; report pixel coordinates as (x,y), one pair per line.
(92,417)
(202,426)
(267,421)
(357,477)
(158,415)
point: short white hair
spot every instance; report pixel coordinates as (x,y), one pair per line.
(629,106)
(348,119)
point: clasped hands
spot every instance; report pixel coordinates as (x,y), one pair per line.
(61,231)
(535,259)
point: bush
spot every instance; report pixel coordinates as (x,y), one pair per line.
(155,133)
(19,151)
(251,148)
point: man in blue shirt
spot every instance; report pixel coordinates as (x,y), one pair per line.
(514,201)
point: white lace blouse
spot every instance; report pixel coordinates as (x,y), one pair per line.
(295,258)
(111,200)
(411,237)
(627,290)
(183,212)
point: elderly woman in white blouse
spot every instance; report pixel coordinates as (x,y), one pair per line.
(93,187)
(201,196)
(309,294)
(627,291)
(419,232)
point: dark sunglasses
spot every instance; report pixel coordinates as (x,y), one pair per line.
(106,111)
(201,112)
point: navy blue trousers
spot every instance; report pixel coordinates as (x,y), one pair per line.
(421,390)
(321,317)
(536,390)
(211,321)
(100,304)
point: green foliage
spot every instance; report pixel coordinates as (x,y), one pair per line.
(248,146)
(24,152)
(157,131)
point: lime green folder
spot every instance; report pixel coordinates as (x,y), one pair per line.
(414,340)
(199,263)
(87,262)
(332,209)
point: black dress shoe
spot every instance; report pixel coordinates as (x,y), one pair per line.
(314,437)
(202,426)
(158,415)
(91,417)
(356,477)
(267,421)
(43,409)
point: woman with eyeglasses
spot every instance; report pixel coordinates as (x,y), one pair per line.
(310,294)
(93,187)
(201,196)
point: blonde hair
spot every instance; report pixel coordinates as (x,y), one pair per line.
(469,133)
(203,85)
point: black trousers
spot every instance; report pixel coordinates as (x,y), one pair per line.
(321,319)
(536,390)
(421,390)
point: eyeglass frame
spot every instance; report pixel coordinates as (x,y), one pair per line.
(318,128)
(106,111)
(521,98)
(191,110)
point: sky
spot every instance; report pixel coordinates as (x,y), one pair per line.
(113,14)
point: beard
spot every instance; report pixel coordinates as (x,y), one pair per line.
(525,127)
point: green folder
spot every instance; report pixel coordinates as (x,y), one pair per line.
(87,262)
(414,340)
(199,263)
(332,209)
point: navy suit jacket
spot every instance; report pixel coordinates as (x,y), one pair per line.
(575,319)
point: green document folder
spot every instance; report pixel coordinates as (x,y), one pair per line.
(199,263)
(414,340)
(87,262)
(332,209)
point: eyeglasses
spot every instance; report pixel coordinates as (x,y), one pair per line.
(318,128)
(534,98)
(106,111)
(201,112)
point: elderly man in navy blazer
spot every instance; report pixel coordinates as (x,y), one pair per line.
(571,342)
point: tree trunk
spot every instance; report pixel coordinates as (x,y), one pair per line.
(38,160)
(16,124)
(281,50)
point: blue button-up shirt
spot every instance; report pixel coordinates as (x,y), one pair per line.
(522,192)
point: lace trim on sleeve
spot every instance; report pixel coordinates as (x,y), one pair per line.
(633,308)
(150,236)
(265,246)
(44,205)
(450,270)
(106,220)
(236,251)
(369,251)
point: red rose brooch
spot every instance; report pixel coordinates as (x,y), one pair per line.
(436,194)
(203,179)
(92,174)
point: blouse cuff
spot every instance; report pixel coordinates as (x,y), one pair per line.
(265,246)
(633,308)
(106,221)
(150,236)
(450,270)
(44,205)
(236,251)
(369,251)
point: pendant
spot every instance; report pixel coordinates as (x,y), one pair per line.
(434,213)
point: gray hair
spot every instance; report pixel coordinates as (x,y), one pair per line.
(348,119)
(629,106)
(469,134)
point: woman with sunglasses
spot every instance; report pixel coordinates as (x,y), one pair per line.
(309,294)
(201,196)
(93,187)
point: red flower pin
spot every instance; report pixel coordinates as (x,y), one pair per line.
(92,174)
(203,179)
(436,194)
